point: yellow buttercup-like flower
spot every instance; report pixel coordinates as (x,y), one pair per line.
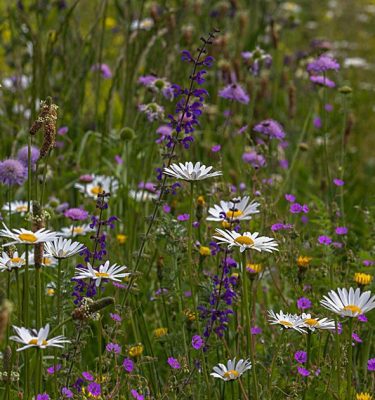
(121,238)
(364,396)
(303,261)
(110,23)
(160,332)
(204,251)
(190,315)
(362,279)
(200,201)
(136,351)
(254,268)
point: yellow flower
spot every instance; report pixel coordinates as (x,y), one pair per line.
(362,279)
(235,275)
(226,224)
(254,268)
(204,251)
(121,238)
(136,351)
(200,201)
(50,291)
(160,332)
(364,396)
(190,315)
(110,23)
(303,261)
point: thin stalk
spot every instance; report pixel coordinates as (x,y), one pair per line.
(58,291)
(350,360)
(38,297)
(308,355)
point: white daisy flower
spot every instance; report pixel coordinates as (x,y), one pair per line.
(287,321)
(63,248)
(24,236)
(317,323)
(240,209)
(246,240)
(34,338)
(143,195)
(113,272)
(47,260)
(16,207)
(50,289)
(73,231)
(348,303)
(231,371)
(144,24)
(98,184)
(190,171)
(8,263)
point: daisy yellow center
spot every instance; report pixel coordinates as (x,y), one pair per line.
(78,229)
(311,322)
(50,292)
(17,260)
(233,214)
(225,224)
(285,323)
(47,261)
(244,240)
(231,374)
(35,342)
(353,308)
(21,208)
(96,190)
(101,274)
(27,237)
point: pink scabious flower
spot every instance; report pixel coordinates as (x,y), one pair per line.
(322,81)
(115,317)
(271,128)
(197,342)
(23,156)
(256,160)
(136,395)
(303,371)
(76,214)
(235,92)
(322,64)
(167,208)
(12,172)
(338,182)
(119,160)
(326,240)
(341,230)
(295,208)
(87,178)
(63,130)
(67,393)
(317,122)
(104,69)
(164,132)
(173,363)
(281,227)
(113,348)
(371,364)
(255,330)
(328,107)
(215,148)
(183,217)
(304,303)
(94,389)
(290,197)
(128,365)
(42,396)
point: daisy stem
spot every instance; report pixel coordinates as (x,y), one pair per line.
(58,291)
(38,372)
(308,357)
(338,358)
(25,307)
(350,360)
(38,296)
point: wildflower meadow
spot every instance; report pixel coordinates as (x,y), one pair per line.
(187,199)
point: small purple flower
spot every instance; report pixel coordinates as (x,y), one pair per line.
(104,69)
(12,172)
(94,389)
(338,182)
(173,362)
(196,224)
(235,92)
(356,338)
(322,81)
(115,317)
(317,122)
(290,197)
(338,245)
(256,160)
(322,64)
(87,376)
(54,368)
(187,293)
(215,148)
(295,208)
(300,356)
(305,208)
(167,208)
(303,371)
(326,240)
(136,395)
(328,107)
(270,128)
(113,348)
(371,364)
(63,130)
(368,263)
(76,214)
(67,393)
(284,164)
(341,230)
(43,396)
(23,156)
(183,217)
(304,303)
(119,160)
(128,365)
(197,342)
(362,318)
(256,330)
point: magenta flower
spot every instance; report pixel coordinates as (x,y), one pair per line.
(43,396)
(338,182)
(115,317)
(197,342)
(136,395)
(63,130)
(94,389)
(326,240)
(328,107)
(173,362)
(76,214)
(128,365)
(271,128)
(300,356)
(104,69)
(87,376)
(341,230)
(119,160)
(54,368)
(183,217)
(255,330)
(295,208)
(113,348)
(256,160)
(303,371)
(67,393)
(290,197)
(356,338)
(322,81)
(371,364)
(317,122)
(304,303)
(362,318)
(215,148)
(322,64)
(235,92)
(167,208)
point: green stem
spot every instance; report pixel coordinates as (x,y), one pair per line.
(38,296)
(59,291)
(350,360)
(308,354)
